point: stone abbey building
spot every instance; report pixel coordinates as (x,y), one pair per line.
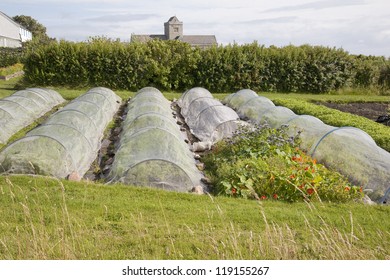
(173,30)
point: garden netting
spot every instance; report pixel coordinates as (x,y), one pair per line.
(24,107)
(152,150)
(348,150)
(208,119)
(67,142)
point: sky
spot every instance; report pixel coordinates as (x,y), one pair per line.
(357,26)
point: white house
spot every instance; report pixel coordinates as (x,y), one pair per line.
(12,34)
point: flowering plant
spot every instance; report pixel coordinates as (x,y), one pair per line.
(265,163)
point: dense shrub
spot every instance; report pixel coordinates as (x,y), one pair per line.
(10,56)
(174,65)
(266,164)
(165,65)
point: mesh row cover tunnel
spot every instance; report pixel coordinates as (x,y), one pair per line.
(208,119)
(348,150)
(67,142)
(152,149)
(23,107)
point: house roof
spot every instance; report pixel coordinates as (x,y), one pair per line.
(174,19)
(147,37)
(11,20)
(197,40)
(200,40)
(194,40)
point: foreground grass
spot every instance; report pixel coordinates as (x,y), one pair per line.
(44,218)
(8,87)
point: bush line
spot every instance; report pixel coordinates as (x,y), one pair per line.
(10,56)
(174,65)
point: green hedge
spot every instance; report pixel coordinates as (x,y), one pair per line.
(165,65)
(173,65)
(10,56)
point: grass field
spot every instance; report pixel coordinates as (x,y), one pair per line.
(44,218)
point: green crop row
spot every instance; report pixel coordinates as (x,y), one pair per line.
(267,164)
(379,132)
(174,65)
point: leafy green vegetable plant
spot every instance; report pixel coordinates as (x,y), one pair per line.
(266,164)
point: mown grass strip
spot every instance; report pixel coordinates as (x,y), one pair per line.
(44,218)
(8,87)
(21,133)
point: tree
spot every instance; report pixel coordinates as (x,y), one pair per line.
(37,29)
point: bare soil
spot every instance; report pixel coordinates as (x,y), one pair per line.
(368,110)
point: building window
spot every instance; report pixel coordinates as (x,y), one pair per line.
(176,29)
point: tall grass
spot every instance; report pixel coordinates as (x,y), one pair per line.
(43,218)
(33,237)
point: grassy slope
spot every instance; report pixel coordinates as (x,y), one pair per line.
(7,87)
(44,218)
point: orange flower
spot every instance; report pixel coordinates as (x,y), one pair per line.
(292,176)
(275,196)
(302,186)
(263,197)
(297,159)
(361,189)
(234,190)
(310,191)
(347,189)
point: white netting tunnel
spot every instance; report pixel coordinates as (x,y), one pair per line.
(67,142)
(152,150)
(208,119)
(23,107)
(348,150)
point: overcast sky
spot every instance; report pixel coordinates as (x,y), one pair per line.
(357,26)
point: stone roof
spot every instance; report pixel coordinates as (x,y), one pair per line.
(193,40)
(146,38)
(173,19)
(202,41)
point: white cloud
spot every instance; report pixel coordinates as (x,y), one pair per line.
(319,5)
(359,26)
(120,17)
